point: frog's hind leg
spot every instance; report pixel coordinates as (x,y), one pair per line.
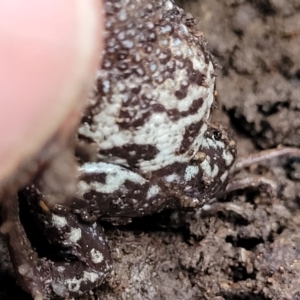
(83,268)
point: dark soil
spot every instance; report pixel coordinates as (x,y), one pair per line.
(246,246)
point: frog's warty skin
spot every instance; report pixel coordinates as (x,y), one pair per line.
(85,258)
(148,145)
(148,117)
(155,90)
(108,190)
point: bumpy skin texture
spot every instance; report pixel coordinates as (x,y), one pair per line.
(85,258)
(148,145)
(149,116)
(113,191)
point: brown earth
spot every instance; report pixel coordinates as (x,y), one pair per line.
(246,246)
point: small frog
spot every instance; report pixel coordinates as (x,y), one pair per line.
(146,143)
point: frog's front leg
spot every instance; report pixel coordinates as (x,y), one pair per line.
(85,259)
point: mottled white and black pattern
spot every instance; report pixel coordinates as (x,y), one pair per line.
(147,130)
(155,90)
(148,118)
(107,190)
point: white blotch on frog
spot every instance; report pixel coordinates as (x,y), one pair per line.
(152,191)
(172,177)
(73,284)
(228,157)
(93,229)
(75,235)
(212,143)
(206,167)
(190,172)
(115,178)
(58,221)
(96,256)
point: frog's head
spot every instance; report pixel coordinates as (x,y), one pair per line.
(206,175)
(220,153)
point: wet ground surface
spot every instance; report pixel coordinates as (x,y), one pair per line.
(246,246)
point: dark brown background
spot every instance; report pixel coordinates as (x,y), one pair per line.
(249,247)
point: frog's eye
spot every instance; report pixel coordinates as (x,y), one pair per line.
(217,134)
